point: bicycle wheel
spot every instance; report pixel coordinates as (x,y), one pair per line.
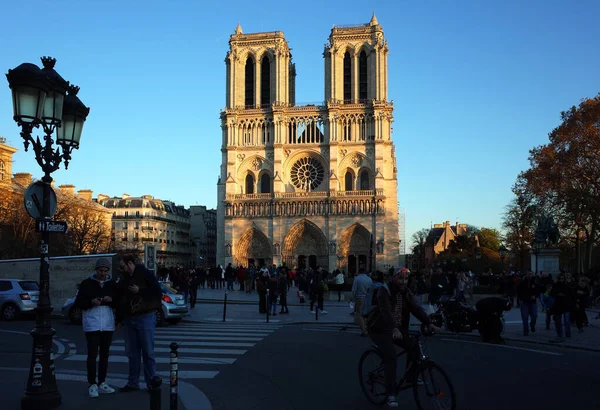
(436,390)
(371,376)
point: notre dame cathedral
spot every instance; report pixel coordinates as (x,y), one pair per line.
(308,185)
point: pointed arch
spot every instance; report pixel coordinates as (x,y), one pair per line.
(347,77)
(249,82)
(253,244)
(362,76)
(349,180)
(265,81)
(249,184)
(364,180)
(305,238)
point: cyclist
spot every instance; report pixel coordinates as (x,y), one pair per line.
(388,326)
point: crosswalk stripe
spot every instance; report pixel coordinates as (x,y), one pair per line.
(160,360)
(227,337)
(184,333)
(215,330)
(195,343)
(186,350)
(192,374)
(227,326)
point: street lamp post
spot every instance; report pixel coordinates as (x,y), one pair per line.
(502,251)
(43,97)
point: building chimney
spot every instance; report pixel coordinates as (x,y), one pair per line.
(23,178)
(67,189)
(125,196)
(102,197)
(85,194)
(148,197)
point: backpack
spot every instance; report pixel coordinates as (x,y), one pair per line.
(370,307)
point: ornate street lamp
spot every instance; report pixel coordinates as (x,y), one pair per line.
(502,251)
(40,98)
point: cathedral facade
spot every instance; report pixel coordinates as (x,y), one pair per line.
(308,185)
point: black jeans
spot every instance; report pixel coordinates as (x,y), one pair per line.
(193,295)
(97,342)
(283,302)
(387,347)
(318,297)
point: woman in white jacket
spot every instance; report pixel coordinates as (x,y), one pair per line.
(95,298)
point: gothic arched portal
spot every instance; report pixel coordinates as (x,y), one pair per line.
(253,247)
(354,248)
(305,246)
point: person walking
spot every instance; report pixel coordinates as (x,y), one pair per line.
(95,298)
(561,308)
(317,291)
(272,285)
(360,288)
(339,283)
(282,288)
(138,293)
(528,291)
(230,276)
(194,283)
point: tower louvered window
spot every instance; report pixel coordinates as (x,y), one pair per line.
(249,96)
(362,76)
(347,78)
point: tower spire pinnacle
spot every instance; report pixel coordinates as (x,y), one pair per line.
(238,29)
(373,21)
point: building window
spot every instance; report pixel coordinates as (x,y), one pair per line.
(265,183)
(249,97)
(137,225)
(348,181)
(137,213)
(265,82)
(364,180)
(347,77)
(124,225)
(126,213)
(249,184)
(1,170)
(362,76)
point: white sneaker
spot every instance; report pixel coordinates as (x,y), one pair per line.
(105,388)
(323,312)
(93,391)
(392,401)
(312,311)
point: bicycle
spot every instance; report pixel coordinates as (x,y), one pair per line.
(424,368)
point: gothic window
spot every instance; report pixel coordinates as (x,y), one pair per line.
(364,180)
(347,78)
(348,181)
(249,98)
(362,76)
(265,183)
(265,82)
(1,170)
(249,184)
(307,174)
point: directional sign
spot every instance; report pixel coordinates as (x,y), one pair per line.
(46,225)
(34,200)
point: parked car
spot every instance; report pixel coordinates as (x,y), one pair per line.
(17,297)
(173,307)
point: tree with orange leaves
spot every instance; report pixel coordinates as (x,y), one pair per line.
(564,176)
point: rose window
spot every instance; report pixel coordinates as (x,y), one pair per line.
(307,174)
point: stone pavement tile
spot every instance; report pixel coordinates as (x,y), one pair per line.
(75,396)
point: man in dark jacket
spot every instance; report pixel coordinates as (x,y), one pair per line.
(139,297)
(490,311)
(562,306)
(388,326)
(528,291)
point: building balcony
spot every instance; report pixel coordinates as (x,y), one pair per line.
(147,228)
(147,240)
(303,195)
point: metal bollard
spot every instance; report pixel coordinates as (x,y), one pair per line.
(267,303)
(317,310)
(174,376)
(155,393)
(225,307)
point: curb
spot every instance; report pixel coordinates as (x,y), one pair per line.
(533,342)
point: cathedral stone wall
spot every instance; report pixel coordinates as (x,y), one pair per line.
(312,185)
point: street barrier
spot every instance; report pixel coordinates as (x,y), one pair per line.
(317,310)
(174,376)
(225,306)
(155,393)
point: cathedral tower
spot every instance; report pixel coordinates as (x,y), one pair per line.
(308,185)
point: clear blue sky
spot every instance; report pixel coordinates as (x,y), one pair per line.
(475,85)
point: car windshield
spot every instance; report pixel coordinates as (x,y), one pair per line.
(29,286)
(165,289)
